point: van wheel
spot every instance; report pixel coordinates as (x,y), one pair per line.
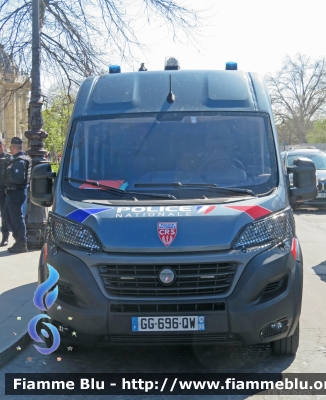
(288,345)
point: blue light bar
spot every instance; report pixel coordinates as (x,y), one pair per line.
(230,65)
(114,69)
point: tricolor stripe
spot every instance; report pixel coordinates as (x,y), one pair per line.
(205,209)
(254,212)
(82,214)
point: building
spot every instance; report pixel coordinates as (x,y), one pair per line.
(14,97)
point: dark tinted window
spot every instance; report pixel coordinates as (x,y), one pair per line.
(226,149)
(319,159)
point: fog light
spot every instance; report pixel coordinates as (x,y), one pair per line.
(279,325)
(274,328)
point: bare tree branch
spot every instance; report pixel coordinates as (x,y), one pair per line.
(298,93)
(78,37)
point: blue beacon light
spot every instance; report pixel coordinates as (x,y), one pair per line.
(230,65)
(114,69)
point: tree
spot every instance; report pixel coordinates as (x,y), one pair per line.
(287,132)
(79,36)
(298,93)
(318,133)
(56,116)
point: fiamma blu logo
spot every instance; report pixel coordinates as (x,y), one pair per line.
(44,299)
(167,231)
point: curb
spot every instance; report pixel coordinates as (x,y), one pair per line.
(18,283)
(11,352)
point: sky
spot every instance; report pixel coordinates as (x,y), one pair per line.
(255,34)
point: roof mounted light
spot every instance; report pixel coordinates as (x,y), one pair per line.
(171,63)
(114,69)
(142,67)
(231,65)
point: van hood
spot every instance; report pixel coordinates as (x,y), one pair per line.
(169,228)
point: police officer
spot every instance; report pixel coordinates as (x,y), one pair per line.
(18,176)
(4,162)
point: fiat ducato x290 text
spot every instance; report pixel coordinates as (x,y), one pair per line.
(171,217)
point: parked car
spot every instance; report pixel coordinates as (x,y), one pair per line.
(319,159)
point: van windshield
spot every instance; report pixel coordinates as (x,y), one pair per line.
(149,152)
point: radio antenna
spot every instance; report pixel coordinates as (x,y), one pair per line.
(171,96)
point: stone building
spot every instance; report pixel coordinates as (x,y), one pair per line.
(14,97)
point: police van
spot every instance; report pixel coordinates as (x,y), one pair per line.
(171,217)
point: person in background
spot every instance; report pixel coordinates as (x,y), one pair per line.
(4,162)
(18,175)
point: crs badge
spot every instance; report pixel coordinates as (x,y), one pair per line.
(167,231)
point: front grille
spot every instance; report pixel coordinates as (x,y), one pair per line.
(171,308)
(272,287)
(168,338)
(191,280)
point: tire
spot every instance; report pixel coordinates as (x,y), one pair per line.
(288,345)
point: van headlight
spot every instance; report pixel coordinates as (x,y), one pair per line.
(273,229)
(62,231)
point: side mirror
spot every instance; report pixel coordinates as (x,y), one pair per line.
(41,185)
(304,181)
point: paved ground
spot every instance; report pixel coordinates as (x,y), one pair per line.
(18,274)
(311,356)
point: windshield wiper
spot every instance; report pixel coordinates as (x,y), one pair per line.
(119,192)
(199,186)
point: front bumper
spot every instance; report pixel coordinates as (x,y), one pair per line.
(268,290)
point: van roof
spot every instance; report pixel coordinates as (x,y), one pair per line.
(194,90)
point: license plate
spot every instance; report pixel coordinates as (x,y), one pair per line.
(321,195)
(160,324)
